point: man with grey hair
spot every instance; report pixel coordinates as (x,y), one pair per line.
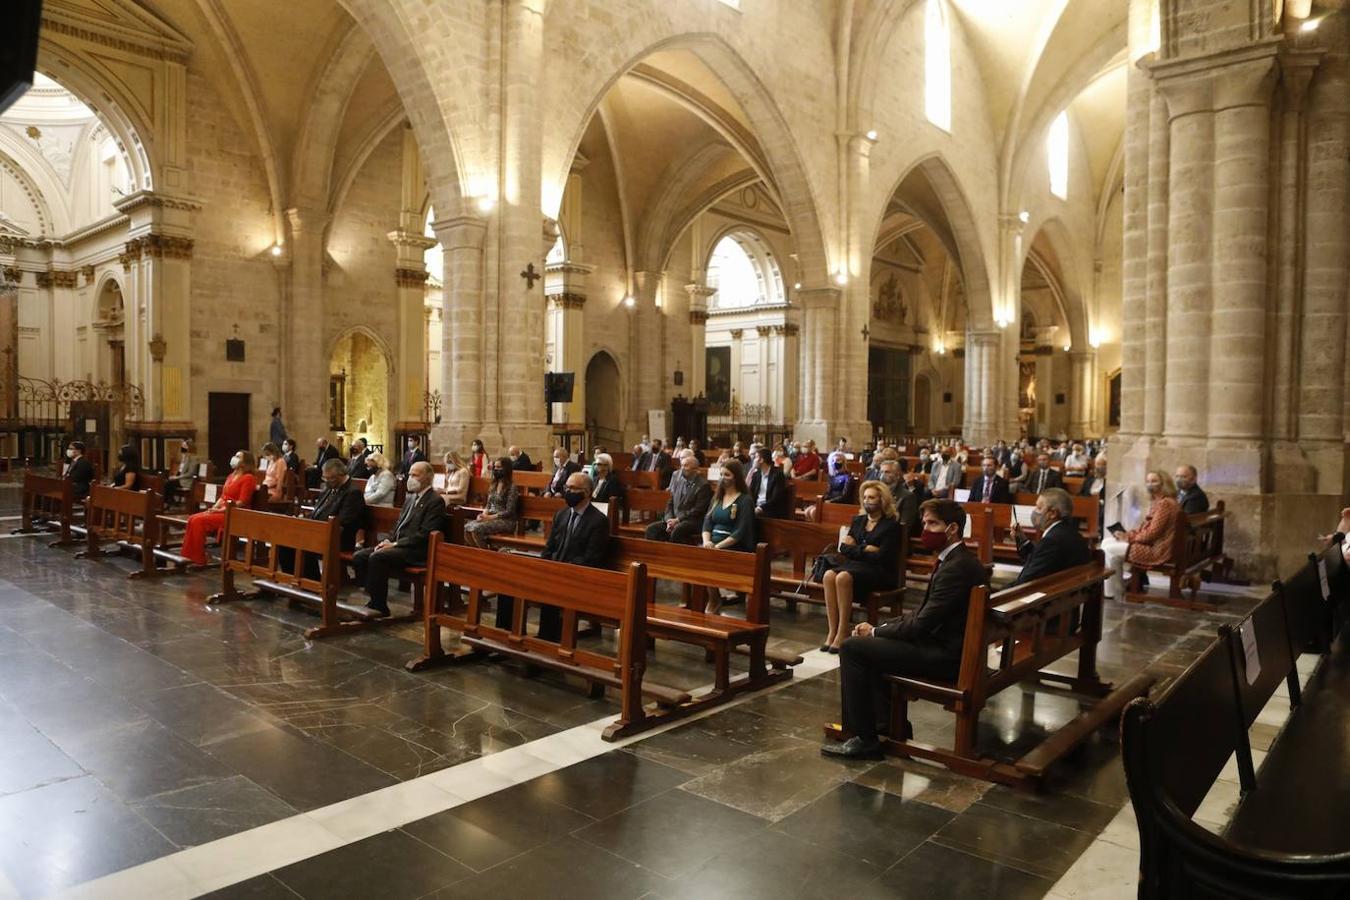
(906,503)
(342,500)
(1189,494)
(423,513)
(690,494)
(1061,545)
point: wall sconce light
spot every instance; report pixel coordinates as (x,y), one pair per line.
(872,135)
(841,278)
(630,301)
(1024,217)
(485,204)
(276,249)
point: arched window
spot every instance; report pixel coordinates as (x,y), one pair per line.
(1057,151)
(937,66)
(743,272)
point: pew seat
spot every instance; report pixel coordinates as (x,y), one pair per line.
(1197,552)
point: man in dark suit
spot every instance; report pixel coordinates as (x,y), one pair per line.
(906,501)
(412,455)
(323,452)
(641,457)
(1192,499)
(342,500)
(989,487)
(580,536)
(360,451)
(1094,483)
(423,513)
(1061,545)
(698,452)
(1042,478)
(690,494)
(520,460)
(768,488)
(925,643)
(562,470)
(659,461)
(79,470)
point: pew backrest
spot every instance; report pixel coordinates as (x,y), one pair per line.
(731,570)
(251,539)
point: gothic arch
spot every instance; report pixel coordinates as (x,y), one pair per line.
(594,388)
(954,224)
(786,177)
(391,359)
(1063,276)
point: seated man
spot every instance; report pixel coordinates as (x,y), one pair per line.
(423,513)
(357,468)
(562,470)
(1078,460)
(1041,478)
(768,488)
(946,476)
(906,502)
(990,487)
(925,643)
(342,500)
(1189,495)
(690,494)
(1061,545)
(520,460)
(580,536)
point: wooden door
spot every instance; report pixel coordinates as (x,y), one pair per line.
(227,427)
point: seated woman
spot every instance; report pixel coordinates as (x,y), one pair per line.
(455,492)
(730,522)
(607,484)
(128,474)
(273,465)
(499,514)
(239,488)
(1151,543)
(380,483)
(869,551)
(184,473)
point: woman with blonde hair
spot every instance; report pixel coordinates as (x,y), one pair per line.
(1151,543)
(380,483)
(455,492)
(274,478)
(868,563)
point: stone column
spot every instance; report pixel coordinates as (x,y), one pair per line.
(850,404)
(983,387)
(820,373)
(463,373)
(1045,381)
(1156,307)
(698,337)
(410,291)
(306,366)
(646,364)
(1082,393)
(569,354)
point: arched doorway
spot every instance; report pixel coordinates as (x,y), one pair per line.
(109,324)
(358,389)
(604,413)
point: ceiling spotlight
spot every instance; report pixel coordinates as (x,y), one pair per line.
(630,301)
(276,249)
(796,285)
(872,135)
(1024,216)
(1066,347)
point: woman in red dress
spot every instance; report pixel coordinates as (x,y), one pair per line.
(478,462)
(239,488)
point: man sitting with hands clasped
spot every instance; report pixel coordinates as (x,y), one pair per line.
(925,643)
(423,513)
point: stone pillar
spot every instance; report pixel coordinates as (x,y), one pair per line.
(1156,307)
(306,365)
(1001,418)
(1045,381)
(1083,366)
(410,291)
(698,337)
(983,387)
(790,377)
(820,372)
(569,353)
(463,374)
(854,314)
(646,364)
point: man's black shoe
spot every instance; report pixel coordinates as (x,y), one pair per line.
(379,610)
(853,748)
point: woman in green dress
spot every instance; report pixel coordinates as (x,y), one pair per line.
(730,522)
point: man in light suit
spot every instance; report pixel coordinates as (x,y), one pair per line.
(947,475)
(990,487)
(423,513)
(925,643)
(690,494)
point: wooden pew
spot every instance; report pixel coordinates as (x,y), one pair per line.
(249,546)
(532,482)
(979,538)
(641,481)
(579,592)
(49,499)
(1197,549)
(169,526)
(127,518)
(1286,839)
(803,542)
(1029,626)
(380,522)
(541,510)
(641,508)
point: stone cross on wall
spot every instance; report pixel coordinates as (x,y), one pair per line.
(530,276)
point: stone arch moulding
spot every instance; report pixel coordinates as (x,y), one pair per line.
(1064,280)
(116,109)
(390,359)
(108,276)
(787,173)
(957,231)
(761,253)
(38,184)
(617,360)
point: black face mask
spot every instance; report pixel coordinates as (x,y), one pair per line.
(497,473)
(572,498)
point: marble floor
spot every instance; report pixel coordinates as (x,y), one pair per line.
(157,746)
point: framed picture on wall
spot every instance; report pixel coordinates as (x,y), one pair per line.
(718,360)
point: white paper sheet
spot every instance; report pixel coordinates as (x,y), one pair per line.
(1252,661)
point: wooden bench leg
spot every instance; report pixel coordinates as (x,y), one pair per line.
(967,723)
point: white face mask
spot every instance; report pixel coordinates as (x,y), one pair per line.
(235,460)
(70,453)
(414,484)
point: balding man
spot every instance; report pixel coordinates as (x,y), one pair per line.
(579,536)
(423,514)
(1189,495)
(690,495)
(520,460)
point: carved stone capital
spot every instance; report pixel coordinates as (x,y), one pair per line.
(410,278)
(791,329)
(736,333)
(698,317)
(88,273)
(12,274)
(568,300)
(764,330)
(157,246)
